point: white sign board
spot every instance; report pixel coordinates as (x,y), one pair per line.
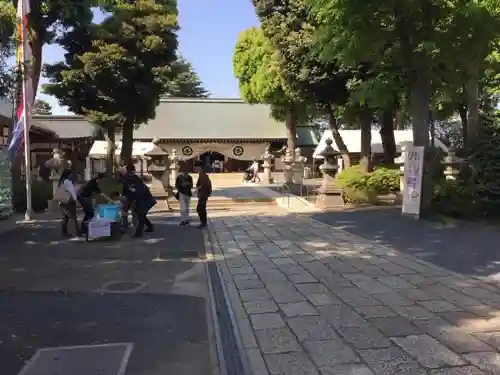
(412,187)
(99,228)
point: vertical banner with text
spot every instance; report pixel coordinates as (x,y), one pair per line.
(413,172)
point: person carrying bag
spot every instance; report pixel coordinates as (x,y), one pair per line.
(66,196)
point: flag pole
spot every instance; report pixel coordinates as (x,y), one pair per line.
(27,152)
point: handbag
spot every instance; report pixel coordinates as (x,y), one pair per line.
(62,195)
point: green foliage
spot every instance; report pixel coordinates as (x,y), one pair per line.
(41,194)
(185,82)
(454,199)
(359,187)
(41,107)
(116,72)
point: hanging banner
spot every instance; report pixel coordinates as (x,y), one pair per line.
(412,187)
(5,185)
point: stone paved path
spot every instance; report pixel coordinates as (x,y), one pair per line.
(311,300)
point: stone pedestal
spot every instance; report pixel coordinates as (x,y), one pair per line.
(401,162)
(156,166)
(174,166)
(329,194)
(267,158)
(288,161)
(298,168)
(56,164)
(452,164)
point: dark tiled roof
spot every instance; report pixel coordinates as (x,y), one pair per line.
(66,127)
(211,119)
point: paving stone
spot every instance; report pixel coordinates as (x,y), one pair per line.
(256,362)
(341,315)
(396,283)
(395,326)
(246,277)
(285,293)
(312,328)
(365,337)
(290,364)
(321,299)
(413,312)
(439,306)
(418,295)
(284,260)
(395,269)
(298,309)
(418,280)
(241,270)
(491,338)
(254,295)
(367,283)
(488,363)
(391,361)
(272,276)
(392,299)
(428,351)
(260,307)
(272,341)
(339,266)
(369,312)
(330,353)
(303,258)
(356,297)
(346,370)
(451,336)
(467,370)
(290,269)
(302,278)
(246,333)
(267,321)
(313,288)
(375,271)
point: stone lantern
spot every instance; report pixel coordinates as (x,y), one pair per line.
(57,164)
(267,158)
(329,194)
(288,162)
(174,166)
(298,169)
(452,164)
(158,166)
(401,162)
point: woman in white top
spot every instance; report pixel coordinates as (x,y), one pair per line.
(68,209)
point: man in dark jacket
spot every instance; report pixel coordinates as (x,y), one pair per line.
(204,188)
(140,197)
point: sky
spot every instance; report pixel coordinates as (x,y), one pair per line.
(209,29)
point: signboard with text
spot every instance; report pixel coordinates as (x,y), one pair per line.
(98,228)
(412,186)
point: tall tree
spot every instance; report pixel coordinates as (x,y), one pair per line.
(7,22)
(118,70)
(261,81)
(41,107)
(185,82)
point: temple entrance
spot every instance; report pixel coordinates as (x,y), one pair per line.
(214,161)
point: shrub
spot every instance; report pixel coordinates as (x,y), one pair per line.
(41,194)
(454,198)
(383,180)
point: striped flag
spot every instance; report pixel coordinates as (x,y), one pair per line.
(24,58)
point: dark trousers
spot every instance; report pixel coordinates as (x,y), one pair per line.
(142,220)
(69,214)
(88,210)
(201,208)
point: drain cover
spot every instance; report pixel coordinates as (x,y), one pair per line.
(122,286)
(110,359)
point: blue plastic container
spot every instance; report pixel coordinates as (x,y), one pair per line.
(108,211)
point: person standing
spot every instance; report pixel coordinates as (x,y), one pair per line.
(66,195)
(85,195)
(204,190)
(184,186)
(254,168)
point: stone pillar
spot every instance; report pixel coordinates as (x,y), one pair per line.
(298,169)
(329,194)
(174,166)
(56,165)
(287,160)
(452,165)
(267,158)
(401,162)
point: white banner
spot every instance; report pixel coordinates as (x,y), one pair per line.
(99,228)
(412,187)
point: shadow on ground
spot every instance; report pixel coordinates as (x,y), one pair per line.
(149,292)
(470,249)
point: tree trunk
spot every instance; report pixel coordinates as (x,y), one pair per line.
(291,129)
(462,111)
(399,125)
(365,121)
(419,111)
(387,135)
(110,154)
(127,143)
(337,138)
(472,88)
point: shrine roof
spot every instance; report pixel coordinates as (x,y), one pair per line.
(66,126)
